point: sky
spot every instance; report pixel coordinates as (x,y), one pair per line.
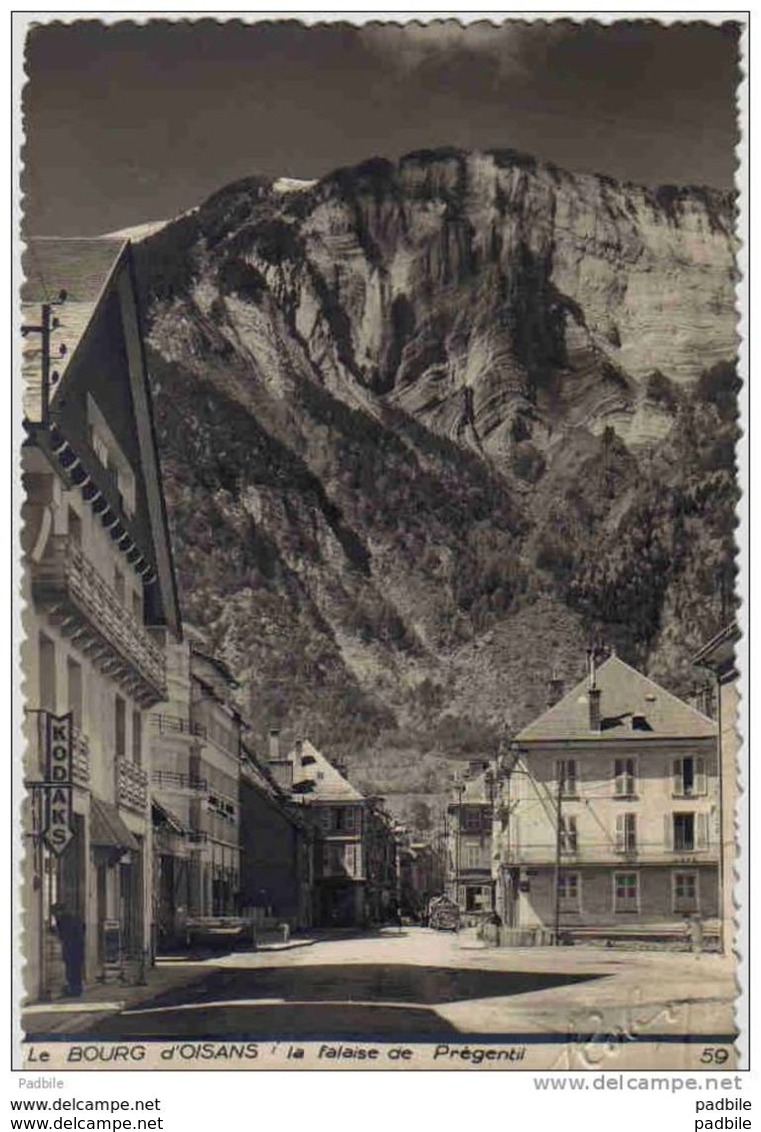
(128,123)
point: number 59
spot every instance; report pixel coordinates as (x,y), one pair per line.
(714,1055)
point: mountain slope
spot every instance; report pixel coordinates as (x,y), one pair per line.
(415,415)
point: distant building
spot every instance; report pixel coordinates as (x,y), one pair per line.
(470,879)
(612,811)
(718,657)
(101,604)
(356,866)
(421,873)
(277,854)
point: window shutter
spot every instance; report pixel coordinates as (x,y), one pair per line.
(702,831)
(620,832)
(700,776)
(617,776)
(668,831)
(677,775)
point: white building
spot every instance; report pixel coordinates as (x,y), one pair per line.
(100,599)
(611,814)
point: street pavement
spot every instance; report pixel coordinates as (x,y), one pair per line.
(413,984)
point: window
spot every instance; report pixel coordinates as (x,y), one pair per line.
(569,892)
(625,892)
(345,819)
(470,819)
(47,674)
(333,860)
(126,484)
(569,838)
(99,446)
(685,892)
(137,738)
(74,687)
(688,832)
(353,860)
(477,899)
(119,584)
(120,727)
(689,777)
(137,605)
(566,777)
(626,833)
(75,526)
(684,832)
(472,856)
(625,777)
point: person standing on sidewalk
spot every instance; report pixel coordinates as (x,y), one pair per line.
(71,932)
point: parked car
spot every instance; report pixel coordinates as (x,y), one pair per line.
(443,914)
(218,932)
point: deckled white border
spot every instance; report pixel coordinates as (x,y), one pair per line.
(20,23)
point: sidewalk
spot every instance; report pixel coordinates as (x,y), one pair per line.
(68,1015)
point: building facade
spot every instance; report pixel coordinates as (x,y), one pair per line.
(355,871)
(100,604)
(195,785)
(718,657)
(611,811)
(470,849)
(421,874)
(277,846)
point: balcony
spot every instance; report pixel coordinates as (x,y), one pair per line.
(644,853)
(174,782)
(80,759)
(131,786)
(89,611)
(176,725)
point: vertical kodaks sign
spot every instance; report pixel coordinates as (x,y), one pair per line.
(58,820)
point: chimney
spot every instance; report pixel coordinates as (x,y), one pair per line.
(595,719)
(274,748)
(555,689)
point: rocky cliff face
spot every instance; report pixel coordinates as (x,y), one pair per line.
(414,408)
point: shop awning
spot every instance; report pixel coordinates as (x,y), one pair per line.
(107,829)
(161,816)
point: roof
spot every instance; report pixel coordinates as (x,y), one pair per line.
(81,267)
(624,693)
(329,785)
(104,366)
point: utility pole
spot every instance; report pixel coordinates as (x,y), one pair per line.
(47,325)
(558,847)
(457,844)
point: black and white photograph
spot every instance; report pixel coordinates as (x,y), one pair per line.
(379,393)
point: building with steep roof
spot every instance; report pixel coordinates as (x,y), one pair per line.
(356,872)
(610,811)
(100,605)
